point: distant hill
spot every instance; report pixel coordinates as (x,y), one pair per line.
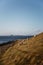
(23,52)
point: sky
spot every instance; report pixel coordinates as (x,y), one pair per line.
(21,17)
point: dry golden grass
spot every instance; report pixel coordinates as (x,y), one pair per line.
(24,52)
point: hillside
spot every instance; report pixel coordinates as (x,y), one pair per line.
(23,52)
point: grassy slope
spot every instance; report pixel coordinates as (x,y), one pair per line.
(24,52)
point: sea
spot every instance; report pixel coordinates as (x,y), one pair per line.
(4,39)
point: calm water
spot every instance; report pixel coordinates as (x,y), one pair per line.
(10,38)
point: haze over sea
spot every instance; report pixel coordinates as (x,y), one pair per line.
(20,17)
(4,39)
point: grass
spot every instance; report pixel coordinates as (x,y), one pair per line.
(24,52)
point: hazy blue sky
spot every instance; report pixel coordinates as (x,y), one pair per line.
(21,17)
